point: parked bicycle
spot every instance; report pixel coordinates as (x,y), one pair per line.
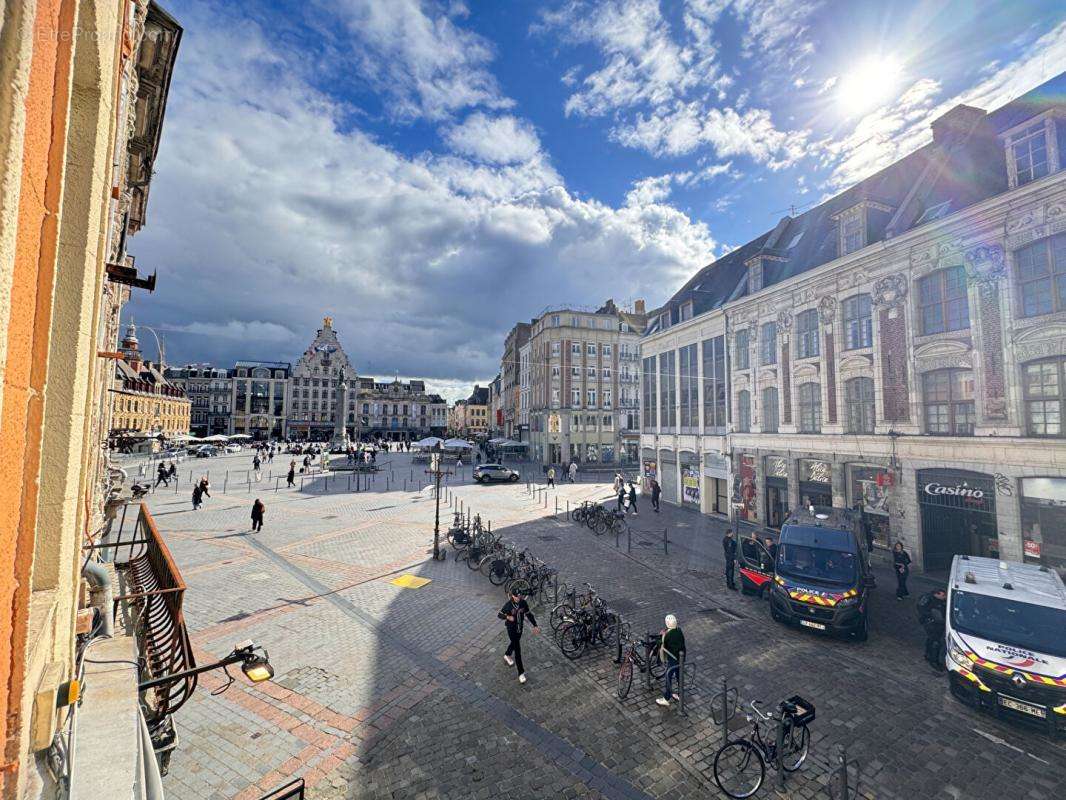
(643,656)
(740,764)
(589,627)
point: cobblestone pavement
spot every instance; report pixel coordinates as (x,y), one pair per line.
(386,692)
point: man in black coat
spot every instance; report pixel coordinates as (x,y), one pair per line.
(932,609)
(513,614)
(729,545)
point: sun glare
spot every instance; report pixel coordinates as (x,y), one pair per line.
(869,84)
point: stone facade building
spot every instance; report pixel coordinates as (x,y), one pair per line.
(901,346)
(210,397)
(398,410)
(315,382)
(144,401)
(583,385)
(259,399)
(470,417)
(510,390)
(521,430)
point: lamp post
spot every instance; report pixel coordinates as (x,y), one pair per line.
(256,667)
(436,471)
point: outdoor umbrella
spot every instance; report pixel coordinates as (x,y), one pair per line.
(428,443)
(240,436)
(218,437)
(458,444)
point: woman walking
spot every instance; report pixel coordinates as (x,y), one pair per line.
(197,497)
(258,509)
(632,498)
(291,477)
(901,560)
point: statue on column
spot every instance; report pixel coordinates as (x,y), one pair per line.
(340,441)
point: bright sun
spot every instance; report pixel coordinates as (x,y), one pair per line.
(869,84)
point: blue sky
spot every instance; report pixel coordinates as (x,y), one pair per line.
(429,172)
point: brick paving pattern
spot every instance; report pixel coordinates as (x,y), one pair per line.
(385,692)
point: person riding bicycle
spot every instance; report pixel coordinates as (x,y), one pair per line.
(513,613)
(670,650)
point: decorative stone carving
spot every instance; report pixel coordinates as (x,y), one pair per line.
(946,362)
(1015,224)
(784,320)
(985,263)
(827,309)
(1055,210)
(1041,349)
(934,256)
(890,291)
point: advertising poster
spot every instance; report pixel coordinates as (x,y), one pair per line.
(690,484)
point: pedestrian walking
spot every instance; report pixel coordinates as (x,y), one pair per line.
(162,475)
(729,546)
(671,647)
(258,510)
(257,465)
(291,477)
(932,609)
(621,498)
(197,497)
(551,477)
(901,560)
(632,499)
(573,472)
(656,493)
(513,614)
(172,471)
(618,482)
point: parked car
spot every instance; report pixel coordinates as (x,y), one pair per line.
(484,473)
(233,447)
(206,451)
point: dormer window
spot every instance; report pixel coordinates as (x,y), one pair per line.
(851,238)
(685,312)
(1028,153)
(664,320)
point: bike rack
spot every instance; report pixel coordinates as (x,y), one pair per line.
(724,707)
(840,787)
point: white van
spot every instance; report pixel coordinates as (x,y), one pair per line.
(1006,640)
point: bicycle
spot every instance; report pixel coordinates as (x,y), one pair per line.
(564,611)
(631,657)
(740,764)
(589,628)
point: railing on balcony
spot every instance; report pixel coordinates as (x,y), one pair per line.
(153,590)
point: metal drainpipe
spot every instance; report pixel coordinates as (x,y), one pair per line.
(100,580)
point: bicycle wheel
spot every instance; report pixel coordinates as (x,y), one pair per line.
(461,555)
(739,769)
(600,526)
(476,554)
(625,679)
(560,614)
(519,586)
(794,750)
(572,640)
(499,572)
(608,627)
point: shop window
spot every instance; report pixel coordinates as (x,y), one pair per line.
(768,343)
(714,385)
(1043,505)
(689,375)
(1041,276)
(943,302)
(859,401)
(743,411)
(947,396)
(810,402)
(1044,384)
(769,410)
(807,334)
(858,322)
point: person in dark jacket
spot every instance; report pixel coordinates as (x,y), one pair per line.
(901,561)
(513,614)
(729,545)
(258,510)
(670,650)
(197,497)
(932,608)
(291,477)
(621,498)
(771,551)
(632,498)
(656,493)
(162,475)
(172,472)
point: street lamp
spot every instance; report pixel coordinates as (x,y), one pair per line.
(254,661)
(436,471)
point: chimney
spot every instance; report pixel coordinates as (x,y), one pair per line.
(956,124)
(638,307)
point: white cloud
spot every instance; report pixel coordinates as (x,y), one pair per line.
(414,53)
(497,140)
(776,27)
(269,206)
(687,126)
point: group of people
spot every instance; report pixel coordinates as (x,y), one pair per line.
(627,497)
(165,472)
(199,492)
(570,472)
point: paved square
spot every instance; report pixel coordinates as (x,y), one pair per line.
(388,692)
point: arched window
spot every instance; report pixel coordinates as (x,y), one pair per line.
(947,397)
(859,402)
(769,410)
(1044,384)
(810,401)
(743,411)
(942,301)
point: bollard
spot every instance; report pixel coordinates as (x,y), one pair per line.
(779,740)
(249,487)
(649,648)
(225,482)
(277,483)
(302,482)
(838,780)
(568,509)
(556,507)
(618,641)
(629,539)
(666,548)
(405,484)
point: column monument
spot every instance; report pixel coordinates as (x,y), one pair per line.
(340,439)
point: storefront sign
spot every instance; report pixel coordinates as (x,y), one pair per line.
(715,466)
(962,490)
(1032,549)
(815,471)
(776,467)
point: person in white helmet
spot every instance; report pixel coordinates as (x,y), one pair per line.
(670,650)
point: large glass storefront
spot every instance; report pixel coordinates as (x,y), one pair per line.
(868,487)
(668,475)
(816,483)
(958,510)
(1043,502)
(776,491)
(716,483)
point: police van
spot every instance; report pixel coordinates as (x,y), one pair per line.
(822,577)
(1006,640)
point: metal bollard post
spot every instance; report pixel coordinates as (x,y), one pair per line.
(557,508)
(249,487)
(779,740)
(349,481)
(725,710)
(666,548)
(302,482)
(648,650)
(681,684)
(405,484)
(838,780)
(629,540)
(618,641)
(225,482)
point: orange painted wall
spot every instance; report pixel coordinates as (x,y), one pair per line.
(27,342)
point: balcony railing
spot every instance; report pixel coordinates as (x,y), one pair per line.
(153,590)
